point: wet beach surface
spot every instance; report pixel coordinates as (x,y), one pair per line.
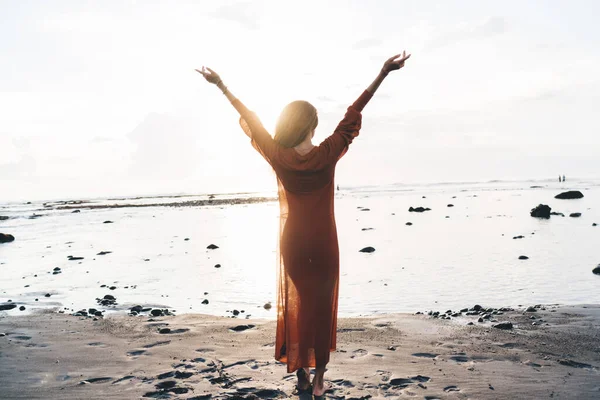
(60,356)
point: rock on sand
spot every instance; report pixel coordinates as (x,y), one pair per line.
(572,194)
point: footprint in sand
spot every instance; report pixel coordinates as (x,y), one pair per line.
(576,364)
(385,375)
(174,374)
(163,343)
(451,388)
(460,358)
(125,378)
(403,382)
(509,345)
(95,380)
(205,350)
(425,355)
(135,353)
(97,344)
(36,345)
(359,353)
(343,382)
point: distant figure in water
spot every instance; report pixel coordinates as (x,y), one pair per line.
(563,178)
(559,179)
(308,256)
(338,187)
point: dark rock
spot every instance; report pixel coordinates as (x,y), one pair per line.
(365,209)
(6,238)
(523,258)
(267,306)
(47,295)
(166,384)
(75,211)
(368,249)
(3,217)
(557,213)
(575,215)
(594,224)
(205,301)
(103,253)
(418,209)
(477,307)
(450,205)
(518,237)
(409,223)
(366,229)
(108,300)
(112,287)
(6,307)
(183,375)
(73,258)
(137,309)
(503,325)
(531,309)
(164,330)
(107,222)
(218,266)
(157,313)
(541,211)
(212,246)
(241,328)
(572,194)
(596,270)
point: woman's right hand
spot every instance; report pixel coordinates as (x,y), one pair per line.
(395,62)
(210,75)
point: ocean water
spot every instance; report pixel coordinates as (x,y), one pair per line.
(449,258)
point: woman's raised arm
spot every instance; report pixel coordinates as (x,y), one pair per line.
(391,64)
(250,123)
(337,144)
(214,78)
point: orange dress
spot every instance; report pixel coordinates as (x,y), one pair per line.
(308,253)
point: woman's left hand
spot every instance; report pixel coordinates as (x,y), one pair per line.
(210,75)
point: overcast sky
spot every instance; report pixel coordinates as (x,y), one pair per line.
(101,98)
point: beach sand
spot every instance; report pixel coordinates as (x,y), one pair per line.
(50,355)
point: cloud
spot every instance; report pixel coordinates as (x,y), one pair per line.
(492,26)
(366,43)
(241,12)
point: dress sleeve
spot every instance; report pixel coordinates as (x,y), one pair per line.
(337,144)
(261,140)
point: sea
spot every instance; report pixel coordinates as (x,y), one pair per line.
(463,251)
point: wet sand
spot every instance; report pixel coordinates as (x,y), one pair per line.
(50,355)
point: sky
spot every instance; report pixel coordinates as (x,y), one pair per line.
(100,98)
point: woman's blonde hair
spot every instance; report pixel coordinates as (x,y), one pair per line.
(296,121)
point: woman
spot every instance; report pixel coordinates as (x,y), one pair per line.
(308,254)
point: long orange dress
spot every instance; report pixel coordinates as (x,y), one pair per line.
(308,253)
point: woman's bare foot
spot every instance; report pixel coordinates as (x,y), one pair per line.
(318,383)
(303,378)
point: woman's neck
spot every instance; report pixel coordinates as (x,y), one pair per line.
(304,147)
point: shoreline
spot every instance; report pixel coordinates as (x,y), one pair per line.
(59,356)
